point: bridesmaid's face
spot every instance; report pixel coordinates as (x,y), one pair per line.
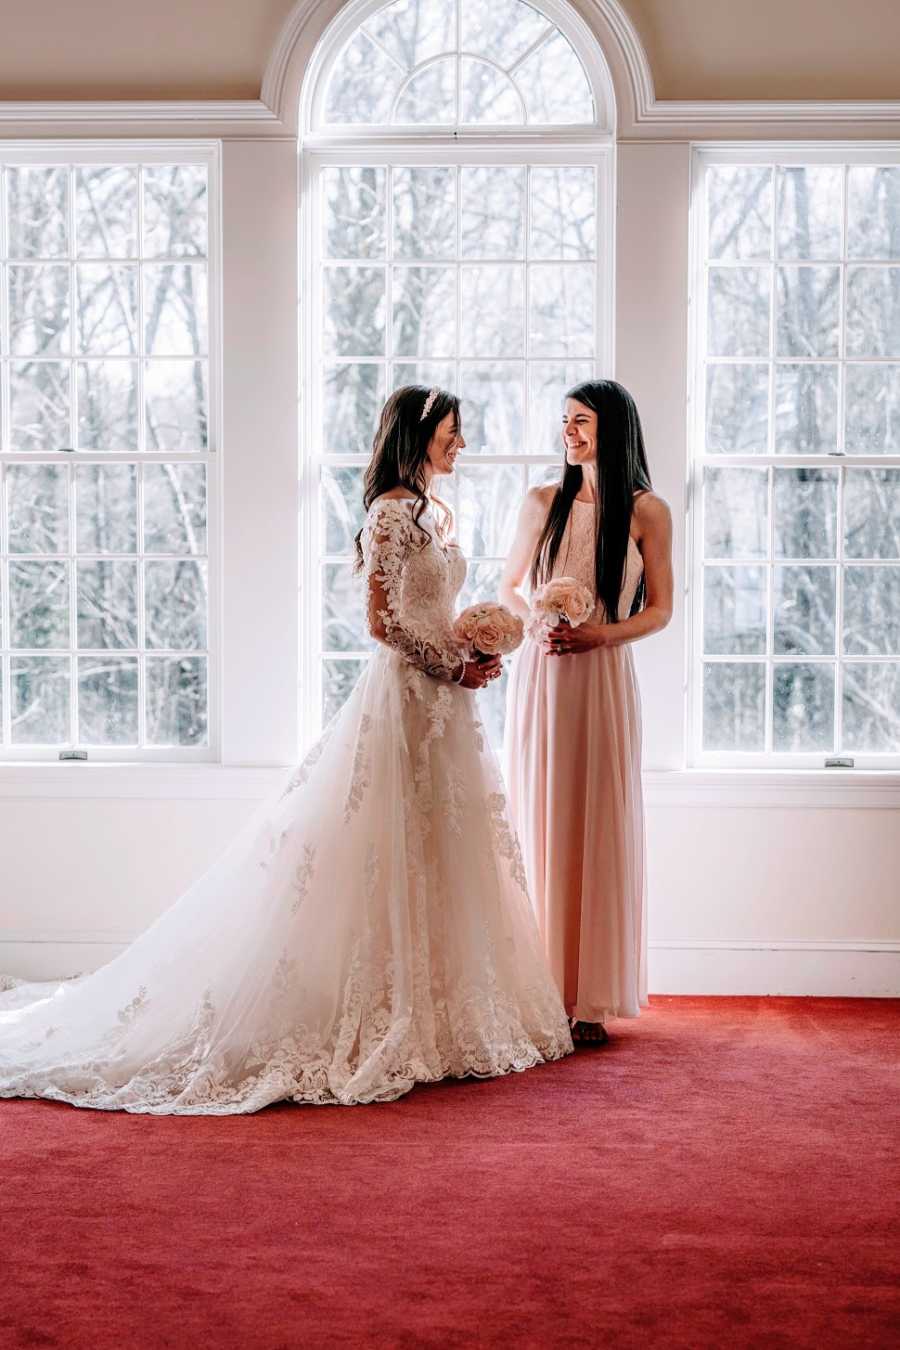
(445,445)
(579,430)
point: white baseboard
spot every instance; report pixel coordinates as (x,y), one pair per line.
(837,969)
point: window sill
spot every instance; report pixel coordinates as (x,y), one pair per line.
(156,782)
(810,789)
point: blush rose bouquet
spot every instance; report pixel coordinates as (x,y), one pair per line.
(489,629)
(562,600)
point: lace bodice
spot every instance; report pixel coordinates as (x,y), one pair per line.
(413,581)
(576,557)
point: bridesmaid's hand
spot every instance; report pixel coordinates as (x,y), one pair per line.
(564,640)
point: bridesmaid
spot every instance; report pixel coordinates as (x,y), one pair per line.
(573,726)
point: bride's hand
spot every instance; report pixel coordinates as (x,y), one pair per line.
(481,671)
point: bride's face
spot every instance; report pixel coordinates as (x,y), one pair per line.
(579,429)
(445,445)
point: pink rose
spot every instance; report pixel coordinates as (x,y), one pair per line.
(562,600)
(489,628)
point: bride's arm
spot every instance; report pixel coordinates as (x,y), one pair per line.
(532,515)
(389,550)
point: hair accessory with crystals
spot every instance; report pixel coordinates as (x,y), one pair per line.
(429,403)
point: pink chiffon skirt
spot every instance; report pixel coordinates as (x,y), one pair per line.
(573,767)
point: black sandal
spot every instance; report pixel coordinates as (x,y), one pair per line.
(578,1033)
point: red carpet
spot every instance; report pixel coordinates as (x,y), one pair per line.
(724,1173)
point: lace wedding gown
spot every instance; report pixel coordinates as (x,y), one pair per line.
(367,930)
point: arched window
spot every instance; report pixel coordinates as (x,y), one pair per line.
(457,231)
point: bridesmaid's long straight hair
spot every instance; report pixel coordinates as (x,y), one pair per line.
(400,449)
(621,472)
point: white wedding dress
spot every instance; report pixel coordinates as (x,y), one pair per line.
(369,928)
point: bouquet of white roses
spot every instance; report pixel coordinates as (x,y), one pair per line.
(490,629)
(562,600)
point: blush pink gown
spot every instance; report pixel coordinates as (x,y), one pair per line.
(573,765)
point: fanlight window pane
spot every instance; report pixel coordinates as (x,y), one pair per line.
(514,68)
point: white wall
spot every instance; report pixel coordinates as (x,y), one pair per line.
(761,884)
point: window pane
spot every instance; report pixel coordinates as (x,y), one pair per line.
(39,698)
(39,405)
(738,318)
(344,626)
(39,604)
(804,600)
(430,97)
(176,700)
(803,705)
(547,384)
(806,409)
(736,513)
(412,31)
(354,311)
(488,501)
(107,405)
(807,310)
(38,211)
(424,311)
(175,210)
(805,513)
(363,84)
(873,311)
(737,409)
(175,309)
(493,303)
(106,508)
(809,211)
(107,700)
(502,31)
(488,96)
(424,204)
(554,86)
(493,411)
(739,207)
(482,583)
(176,405)
(871,704)
(563,212)
(428,374)
(39,310)
(872,611)
(734,611)
(873,209)
(175,508)
(342,508)
(352,399)
(561,319)
(873,410)
(38,509)
(492,223)
(107,604)
(106,214)
(872,513)
(106,309)
(355,211)
(734,706)
(338,680)
(176,602)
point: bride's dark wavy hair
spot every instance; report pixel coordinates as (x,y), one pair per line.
(622,471)
(399,450)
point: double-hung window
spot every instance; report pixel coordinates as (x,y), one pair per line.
(108,319)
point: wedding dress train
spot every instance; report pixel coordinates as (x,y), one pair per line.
(368,929)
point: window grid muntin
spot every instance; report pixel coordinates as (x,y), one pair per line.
(840,459)
(142,156)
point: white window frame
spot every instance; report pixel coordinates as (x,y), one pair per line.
(773,153)
(68,153)
(325,146)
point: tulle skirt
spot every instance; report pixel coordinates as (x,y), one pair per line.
(573,766)
(368,929)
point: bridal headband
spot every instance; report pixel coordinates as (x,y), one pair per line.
(429,403)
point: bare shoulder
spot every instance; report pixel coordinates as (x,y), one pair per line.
(539,499)
(651,512)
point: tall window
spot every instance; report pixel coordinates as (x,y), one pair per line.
(105,447)
(796,439)
(457,182)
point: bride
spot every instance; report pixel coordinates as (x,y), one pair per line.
(369,928)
